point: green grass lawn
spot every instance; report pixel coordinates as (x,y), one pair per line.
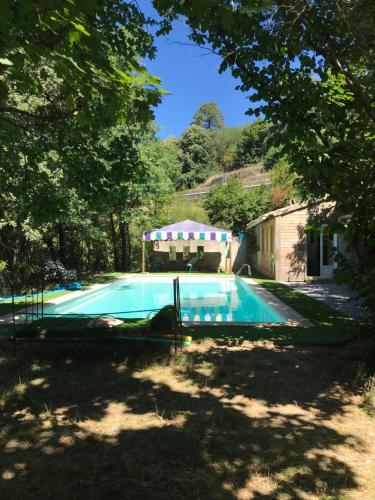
(6,305)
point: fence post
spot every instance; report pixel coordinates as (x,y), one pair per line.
(42,299)
(179,302)
(13,323)
(175,308)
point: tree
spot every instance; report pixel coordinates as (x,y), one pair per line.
(230,205)
(182,208)
(198,155)
(226,139)
(284,184)
(209,117)
(251,144)
(310,69)
(229,158)
(165,154)
(94,47)
(72,92)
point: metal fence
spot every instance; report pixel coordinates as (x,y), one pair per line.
(32,303)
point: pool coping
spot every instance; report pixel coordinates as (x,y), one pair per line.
(293,317)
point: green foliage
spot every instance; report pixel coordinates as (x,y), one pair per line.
(165,155)
(229,157)
(226,140)
(209,117)
(284,184)
(182,208)
(94,48)
(231,206)
(271,156)
(74,105)
(197,154)
(251,144)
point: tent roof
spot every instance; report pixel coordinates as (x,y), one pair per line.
(188,230)
(191,226)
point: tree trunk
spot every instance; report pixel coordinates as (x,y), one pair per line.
(125,246)
(62,243)
(128,245)
(124,250)
(116,260)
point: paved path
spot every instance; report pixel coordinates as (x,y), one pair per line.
(338,297)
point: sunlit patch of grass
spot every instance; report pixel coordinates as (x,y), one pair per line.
(20,389)
(37,381)
(369,395)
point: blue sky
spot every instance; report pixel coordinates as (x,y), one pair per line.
(191,75)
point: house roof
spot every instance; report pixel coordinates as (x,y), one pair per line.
(188,230)
(289,209)
(276,213)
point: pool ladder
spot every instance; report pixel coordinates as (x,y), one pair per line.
(244,266)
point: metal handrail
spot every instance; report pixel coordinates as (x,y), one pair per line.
(244,266)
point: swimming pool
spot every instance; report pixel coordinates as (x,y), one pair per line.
(204,299)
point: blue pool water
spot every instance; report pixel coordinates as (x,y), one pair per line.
(203,299)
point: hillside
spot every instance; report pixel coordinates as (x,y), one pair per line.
(251,176)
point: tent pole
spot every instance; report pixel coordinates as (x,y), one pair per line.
(143,256)
(230,256)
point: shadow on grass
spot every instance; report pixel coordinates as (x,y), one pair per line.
(92,422)
(100,278)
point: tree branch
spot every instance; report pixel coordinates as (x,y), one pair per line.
(38,118)
(353,84)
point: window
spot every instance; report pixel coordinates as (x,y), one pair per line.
(272,240)
(172,253)
(186,253)
(200,253)
(266,236)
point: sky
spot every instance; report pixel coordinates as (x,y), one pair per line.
(191,76)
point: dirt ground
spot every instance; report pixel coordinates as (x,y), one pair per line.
(249,421)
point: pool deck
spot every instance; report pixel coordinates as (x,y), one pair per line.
(293,319)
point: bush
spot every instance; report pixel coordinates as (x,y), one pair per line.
(55,271)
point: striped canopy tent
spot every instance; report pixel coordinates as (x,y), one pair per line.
(188,230)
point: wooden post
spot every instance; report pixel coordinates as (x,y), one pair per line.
(230,256)
(143,256)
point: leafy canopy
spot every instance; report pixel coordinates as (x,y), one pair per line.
(198,155)
(74,101)
(230,205)
(209,117)
(94,47)
(251,145)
